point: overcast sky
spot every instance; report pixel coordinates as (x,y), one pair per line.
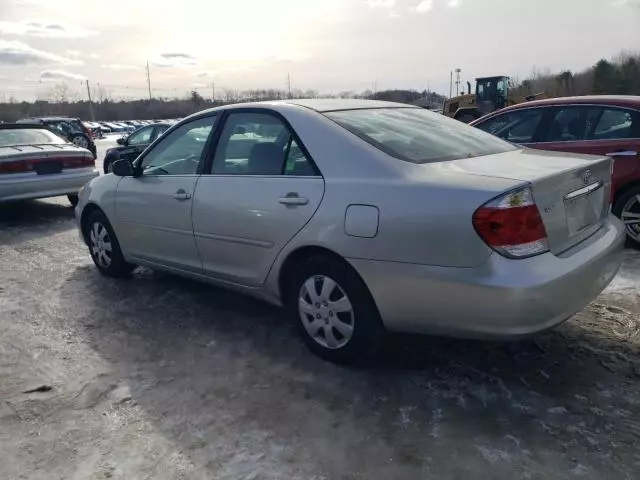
(325,45)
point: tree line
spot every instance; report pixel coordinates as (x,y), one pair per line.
(165,108)
(620,75)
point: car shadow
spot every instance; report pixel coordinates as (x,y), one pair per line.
(34,218)
(226,379)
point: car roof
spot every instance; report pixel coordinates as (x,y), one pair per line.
(23,126)
(321,105)
(628,101)
(618,100)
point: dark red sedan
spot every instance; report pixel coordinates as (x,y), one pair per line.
(597,125)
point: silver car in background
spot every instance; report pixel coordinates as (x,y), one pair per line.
(362,217)
(37,163)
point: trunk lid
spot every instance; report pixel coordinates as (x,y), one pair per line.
(571,191)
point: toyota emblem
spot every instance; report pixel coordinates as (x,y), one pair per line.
(587,176)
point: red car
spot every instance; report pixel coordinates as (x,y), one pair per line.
(597,125)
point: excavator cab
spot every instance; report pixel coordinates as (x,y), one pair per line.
(492,93)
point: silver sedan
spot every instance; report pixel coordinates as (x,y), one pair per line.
(362,217)
(36,163)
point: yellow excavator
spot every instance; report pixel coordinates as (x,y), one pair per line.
(492,93)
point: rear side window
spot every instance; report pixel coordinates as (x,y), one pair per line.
(517,127)
(28,136)
(569,124)
(418,135)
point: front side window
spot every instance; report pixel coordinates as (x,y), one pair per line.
(180,152)
(259,144)
(141,137)
(517,126)
(417,135)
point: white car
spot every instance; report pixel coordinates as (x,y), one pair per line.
(37,163)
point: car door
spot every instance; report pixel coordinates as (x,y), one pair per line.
(136,143)
(153,209)
(263,188)
(521,126)
(599,130)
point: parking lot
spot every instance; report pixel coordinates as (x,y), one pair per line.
(157,377)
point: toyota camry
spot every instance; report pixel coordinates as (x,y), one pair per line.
(361,217)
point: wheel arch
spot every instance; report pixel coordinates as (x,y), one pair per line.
(299,254)
(623,190)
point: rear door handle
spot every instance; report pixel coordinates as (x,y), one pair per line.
(624,153)
(293,198)
(181,195)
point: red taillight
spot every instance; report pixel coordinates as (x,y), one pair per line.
(78,162)
(512,225)
(25,166)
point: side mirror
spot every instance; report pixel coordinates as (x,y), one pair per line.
(123,168)
(122,141)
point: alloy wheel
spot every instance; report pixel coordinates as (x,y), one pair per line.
(326,312)
(100,244)
(630,215)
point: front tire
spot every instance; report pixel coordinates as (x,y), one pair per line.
(627,208)
(104,247)
(334,311)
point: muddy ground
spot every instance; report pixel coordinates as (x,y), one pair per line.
(161,378)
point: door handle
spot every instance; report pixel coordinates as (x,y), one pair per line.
(624,153)
(292,198)
(181,195)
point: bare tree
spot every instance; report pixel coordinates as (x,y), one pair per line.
(59,93)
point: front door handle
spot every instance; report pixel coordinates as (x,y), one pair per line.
(181,195)
(292,198)
(624,153)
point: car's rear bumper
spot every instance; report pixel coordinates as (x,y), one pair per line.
(502,299)
(31,185)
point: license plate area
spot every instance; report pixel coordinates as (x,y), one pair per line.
(584,210)
(47,168)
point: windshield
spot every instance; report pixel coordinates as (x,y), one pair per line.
(417,135)
(28,136)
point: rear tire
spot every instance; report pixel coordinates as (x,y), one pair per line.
(73,200)
(333,310)
(626,207)
(104,247)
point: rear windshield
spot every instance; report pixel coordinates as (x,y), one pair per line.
(28,136)
(418,135)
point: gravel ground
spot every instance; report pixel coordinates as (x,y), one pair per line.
(161,378)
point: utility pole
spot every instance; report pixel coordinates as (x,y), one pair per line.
(375,88)
(149,80)
(458,81)
(213,92)
(90,104)
(289,83)
(451,84)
